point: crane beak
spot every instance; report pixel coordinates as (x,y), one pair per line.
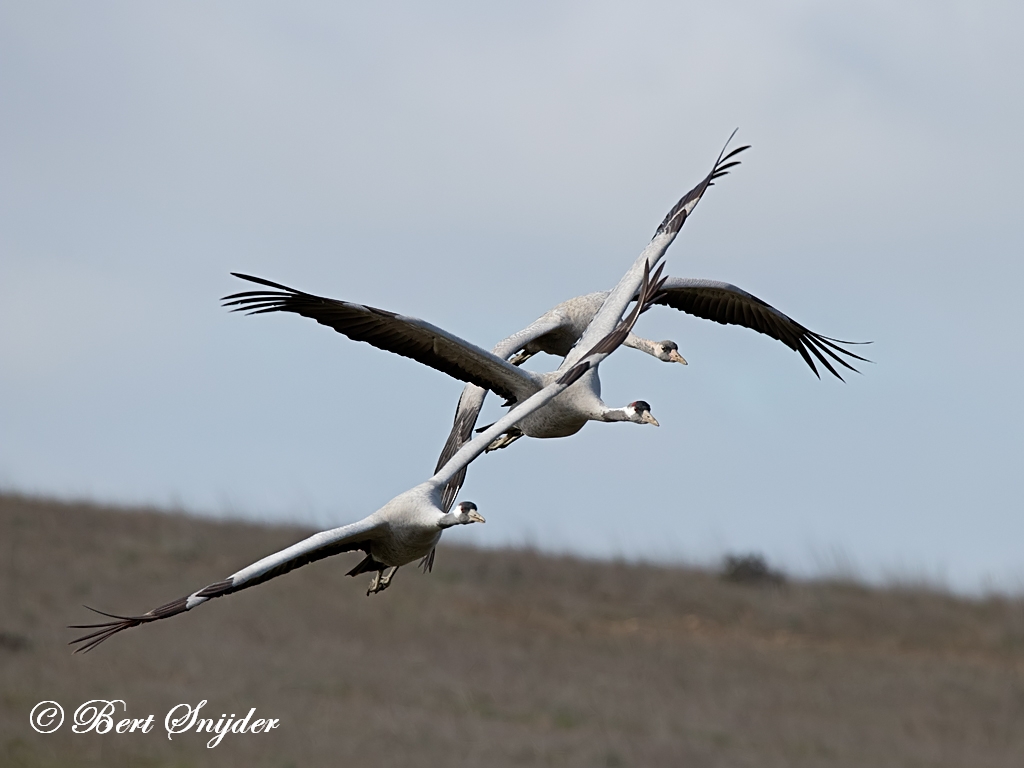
(476,517)
(675,357)
(648,419)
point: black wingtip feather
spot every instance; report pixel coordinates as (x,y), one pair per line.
(263,281)
(735,152)
(101,613)
(834,356)
(244,296)
(801,348)
(676,217)
(824,361)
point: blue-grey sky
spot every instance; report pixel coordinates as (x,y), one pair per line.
(474,166)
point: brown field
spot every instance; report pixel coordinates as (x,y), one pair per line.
(497,658)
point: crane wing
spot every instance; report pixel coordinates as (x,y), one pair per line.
(347,538)
(466,413)
(472,399)
(726,304)
(406,336)
(613,307)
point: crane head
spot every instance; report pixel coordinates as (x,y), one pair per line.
(668,351)
(639,412)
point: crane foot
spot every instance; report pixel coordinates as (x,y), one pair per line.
(381,581)
(505,440)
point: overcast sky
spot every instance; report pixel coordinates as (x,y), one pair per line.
(474,166)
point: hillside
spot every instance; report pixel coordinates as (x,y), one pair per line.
(497,658)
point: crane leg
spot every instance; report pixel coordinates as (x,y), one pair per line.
(521,357)
(381,581)
(505,440)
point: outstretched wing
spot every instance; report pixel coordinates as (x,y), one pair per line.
(613,307)
(357,536)
(406,336)
(729,305)
(680,211)
(649,288)
(472,399)
(466,413)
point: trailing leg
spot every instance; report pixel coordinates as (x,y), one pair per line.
(381,581)
(505,440)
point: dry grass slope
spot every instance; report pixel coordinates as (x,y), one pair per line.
(497,658)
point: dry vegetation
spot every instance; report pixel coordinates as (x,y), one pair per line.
(497,658)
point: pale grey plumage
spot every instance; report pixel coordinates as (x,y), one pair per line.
(437,348)
(557,331)
(405,529)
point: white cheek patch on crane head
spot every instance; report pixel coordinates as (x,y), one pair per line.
(640,411)
(467,510)
(669,352)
